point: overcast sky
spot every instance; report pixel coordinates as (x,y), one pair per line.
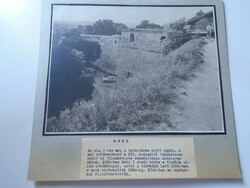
(126,15)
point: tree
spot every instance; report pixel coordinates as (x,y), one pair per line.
(74,32)
(80,29)
(66,83)
(146,25)
(177,36)
(119,27)
(200,13)
(104,27)
(91,50)
(89,29)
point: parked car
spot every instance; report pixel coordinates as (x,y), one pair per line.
(109,79)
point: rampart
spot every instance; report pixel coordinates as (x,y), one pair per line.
(142,39)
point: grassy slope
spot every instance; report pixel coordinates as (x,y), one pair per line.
(201,97)
(140,102)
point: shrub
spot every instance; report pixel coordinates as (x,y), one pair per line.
(177,36)
(189,57)
(80,118)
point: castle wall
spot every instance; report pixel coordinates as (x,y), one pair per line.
(103,40)
(143,39)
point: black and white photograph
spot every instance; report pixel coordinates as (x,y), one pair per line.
(116,69)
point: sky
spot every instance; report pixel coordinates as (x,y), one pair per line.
(126,15)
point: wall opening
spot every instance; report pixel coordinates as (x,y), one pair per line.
(163,37)
(132,37)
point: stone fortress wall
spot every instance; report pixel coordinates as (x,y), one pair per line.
(141,39)
(103,40)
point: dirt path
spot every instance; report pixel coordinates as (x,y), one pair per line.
(201,97)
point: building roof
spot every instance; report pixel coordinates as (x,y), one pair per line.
(197,18)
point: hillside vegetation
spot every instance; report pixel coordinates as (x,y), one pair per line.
(141,98)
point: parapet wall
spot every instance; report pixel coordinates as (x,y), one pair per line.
(103,40)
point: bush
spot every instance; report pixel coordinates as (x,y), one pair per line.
(80,118)
(177,36)
(189,58)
